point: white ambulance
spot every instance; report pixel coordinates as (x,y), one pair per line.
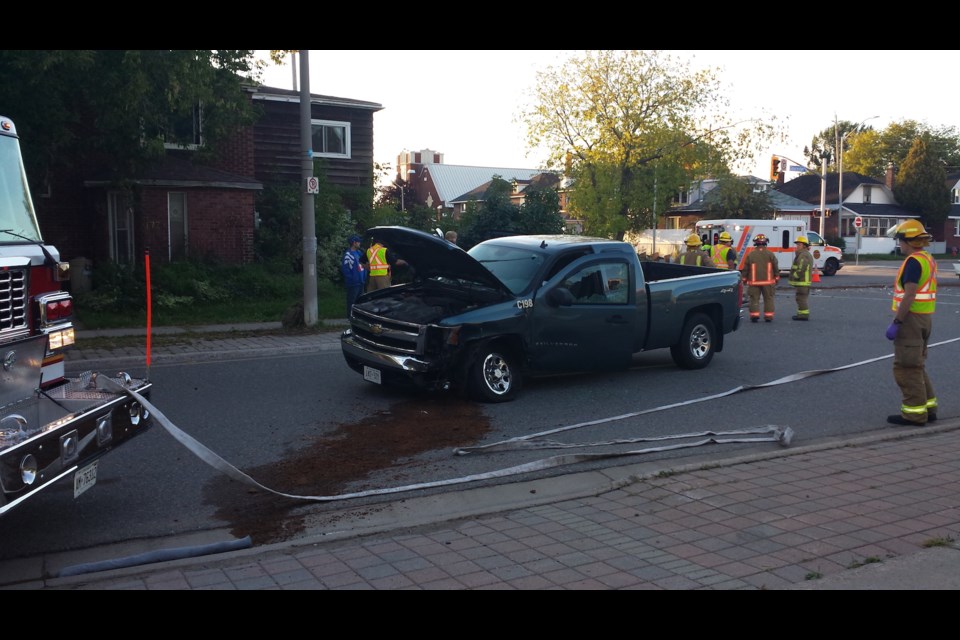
(781,235)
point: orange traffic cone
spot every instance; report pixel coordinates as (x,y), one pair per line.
(816,276)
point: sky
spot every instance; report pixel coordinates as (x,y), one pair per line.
(464,103)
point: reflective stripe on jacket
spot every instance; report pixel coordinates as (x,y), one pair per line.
(377,257)
(926,299)
(720,256)
(767,275)
(801,269)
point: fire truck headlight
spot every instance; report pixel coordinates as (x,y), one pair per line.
(28,469)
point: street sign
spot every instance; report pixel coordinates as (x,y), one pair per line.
(858,222)
(313,185)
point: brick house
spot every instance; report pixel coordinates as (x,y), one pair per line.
(180,209)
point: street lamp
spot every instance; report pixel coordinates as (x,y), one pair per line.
(403,206)
(843,139)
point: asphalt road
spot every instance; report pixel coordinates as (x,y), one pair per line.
(826,379)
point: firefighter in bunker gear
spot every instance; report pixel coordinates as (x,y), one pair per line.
(694,255)
(914,302)
(800,276)
(761,272)
(724,256)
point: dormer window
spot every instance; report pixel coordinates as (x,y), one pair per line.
(866,194)
(184,130)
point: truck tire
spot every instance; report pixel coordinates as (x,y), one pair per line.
(830,267)
(494,374)
(697,341)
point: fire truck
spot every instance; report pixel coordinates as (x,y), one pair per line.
(52,427)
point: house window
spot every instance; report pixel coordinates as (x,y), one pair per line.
(866,194)
(956,227)
(120,215)
(955,199)
(177,225)
(682,197)
(184,130)
(330,139)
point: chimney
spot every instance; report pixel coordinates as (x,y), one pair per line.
(889,178)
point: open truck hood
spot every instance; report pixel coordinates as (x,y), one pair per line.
(431,256)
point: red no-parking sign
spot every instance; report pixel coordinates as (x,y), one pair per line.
(858,222)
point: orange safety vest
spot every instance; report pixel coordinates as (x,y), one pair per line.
(926,300)
(377,257)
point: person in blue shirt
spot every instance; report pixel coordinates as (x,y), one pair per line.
(354,272)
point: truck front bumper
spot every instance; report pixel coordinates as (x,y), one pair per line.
(397,368)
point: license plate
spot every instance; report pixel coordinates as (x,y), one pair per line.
(85,478)
(371,374)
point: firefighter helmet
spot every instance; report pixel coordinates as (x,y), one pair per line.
(760,240)
(802,239)
(725,237)
(911,231)
(693,240)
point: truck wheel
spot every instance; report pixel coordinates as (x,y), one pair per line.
(696,345)
(830,267)
(494,375)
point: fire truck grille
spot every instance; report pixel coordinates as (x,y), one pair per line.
(13,299)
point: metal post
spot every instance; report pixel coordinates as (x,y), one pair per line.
(823,196)
(307,209)
(843,139)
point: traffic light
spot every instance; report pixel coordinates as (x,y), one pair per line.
(774,169)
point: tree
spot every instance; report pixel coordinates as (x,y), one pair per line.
(735,198)
(827,142)
(632,127)
(921,184)
(871,151)
(540,211)
(117,108)
(492,217)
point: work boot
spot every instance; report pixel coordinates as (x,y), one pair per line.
(931,416)
(768,319)
(900,421)
(804,318)
(754,319)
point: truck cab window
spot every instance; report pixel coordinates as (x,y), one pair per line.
(599,284)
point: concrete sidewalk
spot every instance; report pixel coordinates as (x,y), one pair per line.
(876,512)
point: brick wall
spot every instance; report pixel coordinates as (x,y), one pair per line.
(219,223)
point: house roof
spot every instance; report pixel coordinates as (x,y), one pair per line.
(175,170)
(780,201)
(452,181)
(263,92)
(543,180)
(807,186)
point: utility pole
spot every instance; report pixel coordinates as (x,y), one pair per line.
(307,209)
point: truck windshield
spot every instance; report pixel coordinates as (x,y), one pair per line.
(515,267)
(18,221)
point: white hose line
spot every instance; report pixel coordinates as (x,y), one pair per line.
(778,434)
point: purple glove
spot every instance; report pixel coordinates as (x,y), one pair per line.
(892,330)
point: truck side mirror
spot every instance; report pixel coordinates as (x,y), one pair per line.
(559,297)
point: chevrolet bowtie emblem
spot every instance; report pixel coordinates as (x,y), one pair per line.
(376,329)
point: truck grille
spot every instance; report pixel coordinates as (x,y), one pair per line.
(389,335)
(13,299)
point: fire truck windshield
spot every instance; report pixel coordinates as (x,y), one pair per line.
(18,221)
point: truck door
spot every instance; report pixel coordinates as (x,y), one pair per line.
(596,324)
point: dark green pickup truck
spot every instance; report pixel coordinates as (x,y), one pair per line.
(480,321)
